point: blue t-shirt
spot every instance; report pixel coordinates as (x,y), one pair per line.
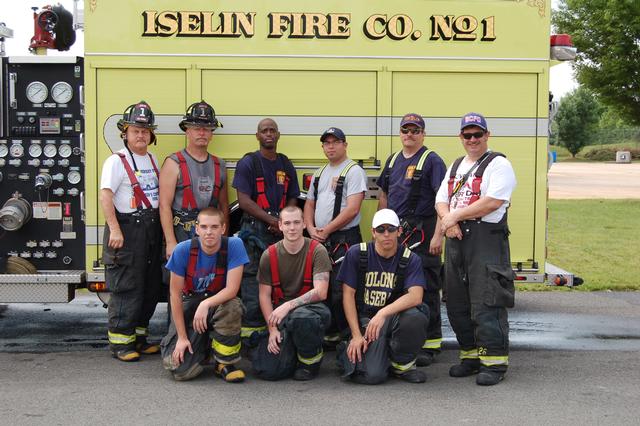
(274,171)
(206,265)
(400,180)
(380,276)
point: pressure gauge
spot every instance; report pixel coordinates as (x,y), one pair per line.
(37,92)
(4,150)
(65,151)
(16,150)
(74,177)
(35,150)
(61,92)
(50,150)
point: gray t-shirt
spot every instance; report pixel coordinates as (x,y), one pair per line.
(202,180)
(291,267)
(355,182)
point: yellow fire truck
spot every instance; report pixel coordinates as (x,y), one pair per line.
(358,65)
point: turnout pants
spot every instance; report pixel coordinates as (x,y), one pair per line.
(133,276)
(479,283)
(337,246)
(399,343)
(302,332)
(222,338)
(432,268)
(256,239)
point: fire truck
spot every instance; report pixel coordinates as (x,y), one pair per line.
(358,65)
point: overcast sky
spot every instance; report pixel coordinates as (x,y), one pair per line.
(17,15)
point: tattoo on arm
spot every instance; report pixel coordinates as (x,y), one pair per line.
(321,276)
(309,297)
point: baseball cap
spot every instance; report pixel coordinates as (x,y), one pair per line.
(333,131)
(473,119)
(412,118)
(385,217)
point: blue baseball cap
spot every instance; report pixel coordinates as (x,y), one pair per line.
(473,119)
(333,131)
(412,118)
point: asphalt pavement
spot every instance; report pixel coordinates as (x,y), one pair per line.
(574,360)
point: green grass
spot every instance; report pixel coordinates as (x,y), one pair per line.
(563,155)
(597,240)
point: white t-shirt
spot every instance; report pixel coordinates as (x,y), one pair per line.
(115,178)
(498,181)
(355,182)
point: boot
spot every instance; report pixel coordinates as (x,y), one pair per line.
(467,367)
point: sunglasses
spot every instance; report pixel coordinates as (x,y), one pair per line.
(476,135)
(405,130)
(389,228)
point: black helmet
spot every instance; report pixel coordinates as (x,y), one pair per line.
(200,113)
(140,115)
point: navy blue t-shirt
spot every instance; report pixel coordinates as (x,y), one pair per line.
(380,276)
(433,172)
(275,171)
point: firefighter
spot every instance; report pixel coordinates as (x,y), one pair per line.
(192,179)
(266,182)
(332,215)
(132,235)
(294,280)
(383,285)
(409,182)
(472,204)
(206,314)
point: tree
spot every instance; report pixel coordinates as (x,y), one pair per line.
(607,36)
(577,119)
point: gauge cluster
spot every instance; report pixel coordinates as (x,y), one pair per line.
(42,162)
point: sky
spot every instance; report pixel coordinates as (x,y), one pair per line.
(17,15)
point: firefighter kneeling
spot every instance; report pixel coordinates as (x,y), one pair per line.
(206,314)
(382,297)
(294,280)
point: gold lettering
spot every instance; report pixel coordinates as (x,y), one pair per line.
(488,29)
(464,26)
(278,23)
(189,23)
(245,24)
(297,25)
(371,26)
(207,24)
(149,17)
(315,24)
(339,25)
(441,27)
(167,24)
(227,21)
(399,27)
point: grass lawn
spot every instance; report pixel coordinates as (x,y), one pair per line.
(597,240)
(563,155)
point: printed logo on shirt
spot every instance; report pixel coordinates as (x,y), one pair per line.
(280,177)
(378,287)
(463,196)
(205,186)
(410,171)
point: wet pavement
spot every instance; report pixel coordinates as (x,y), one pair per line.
(548,320)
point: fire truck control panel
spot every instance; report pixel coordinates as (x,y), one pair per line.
(42,170)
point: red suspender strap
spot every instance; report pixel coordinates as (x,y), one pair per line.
(138,193)
(283,201)
(261,200)
(188,201)
(155,168)
(276,290)
(217,184)
(307,280)
(220,279)
(191,267)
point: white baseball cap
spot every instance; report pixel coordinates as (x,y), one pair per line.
(385,217)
